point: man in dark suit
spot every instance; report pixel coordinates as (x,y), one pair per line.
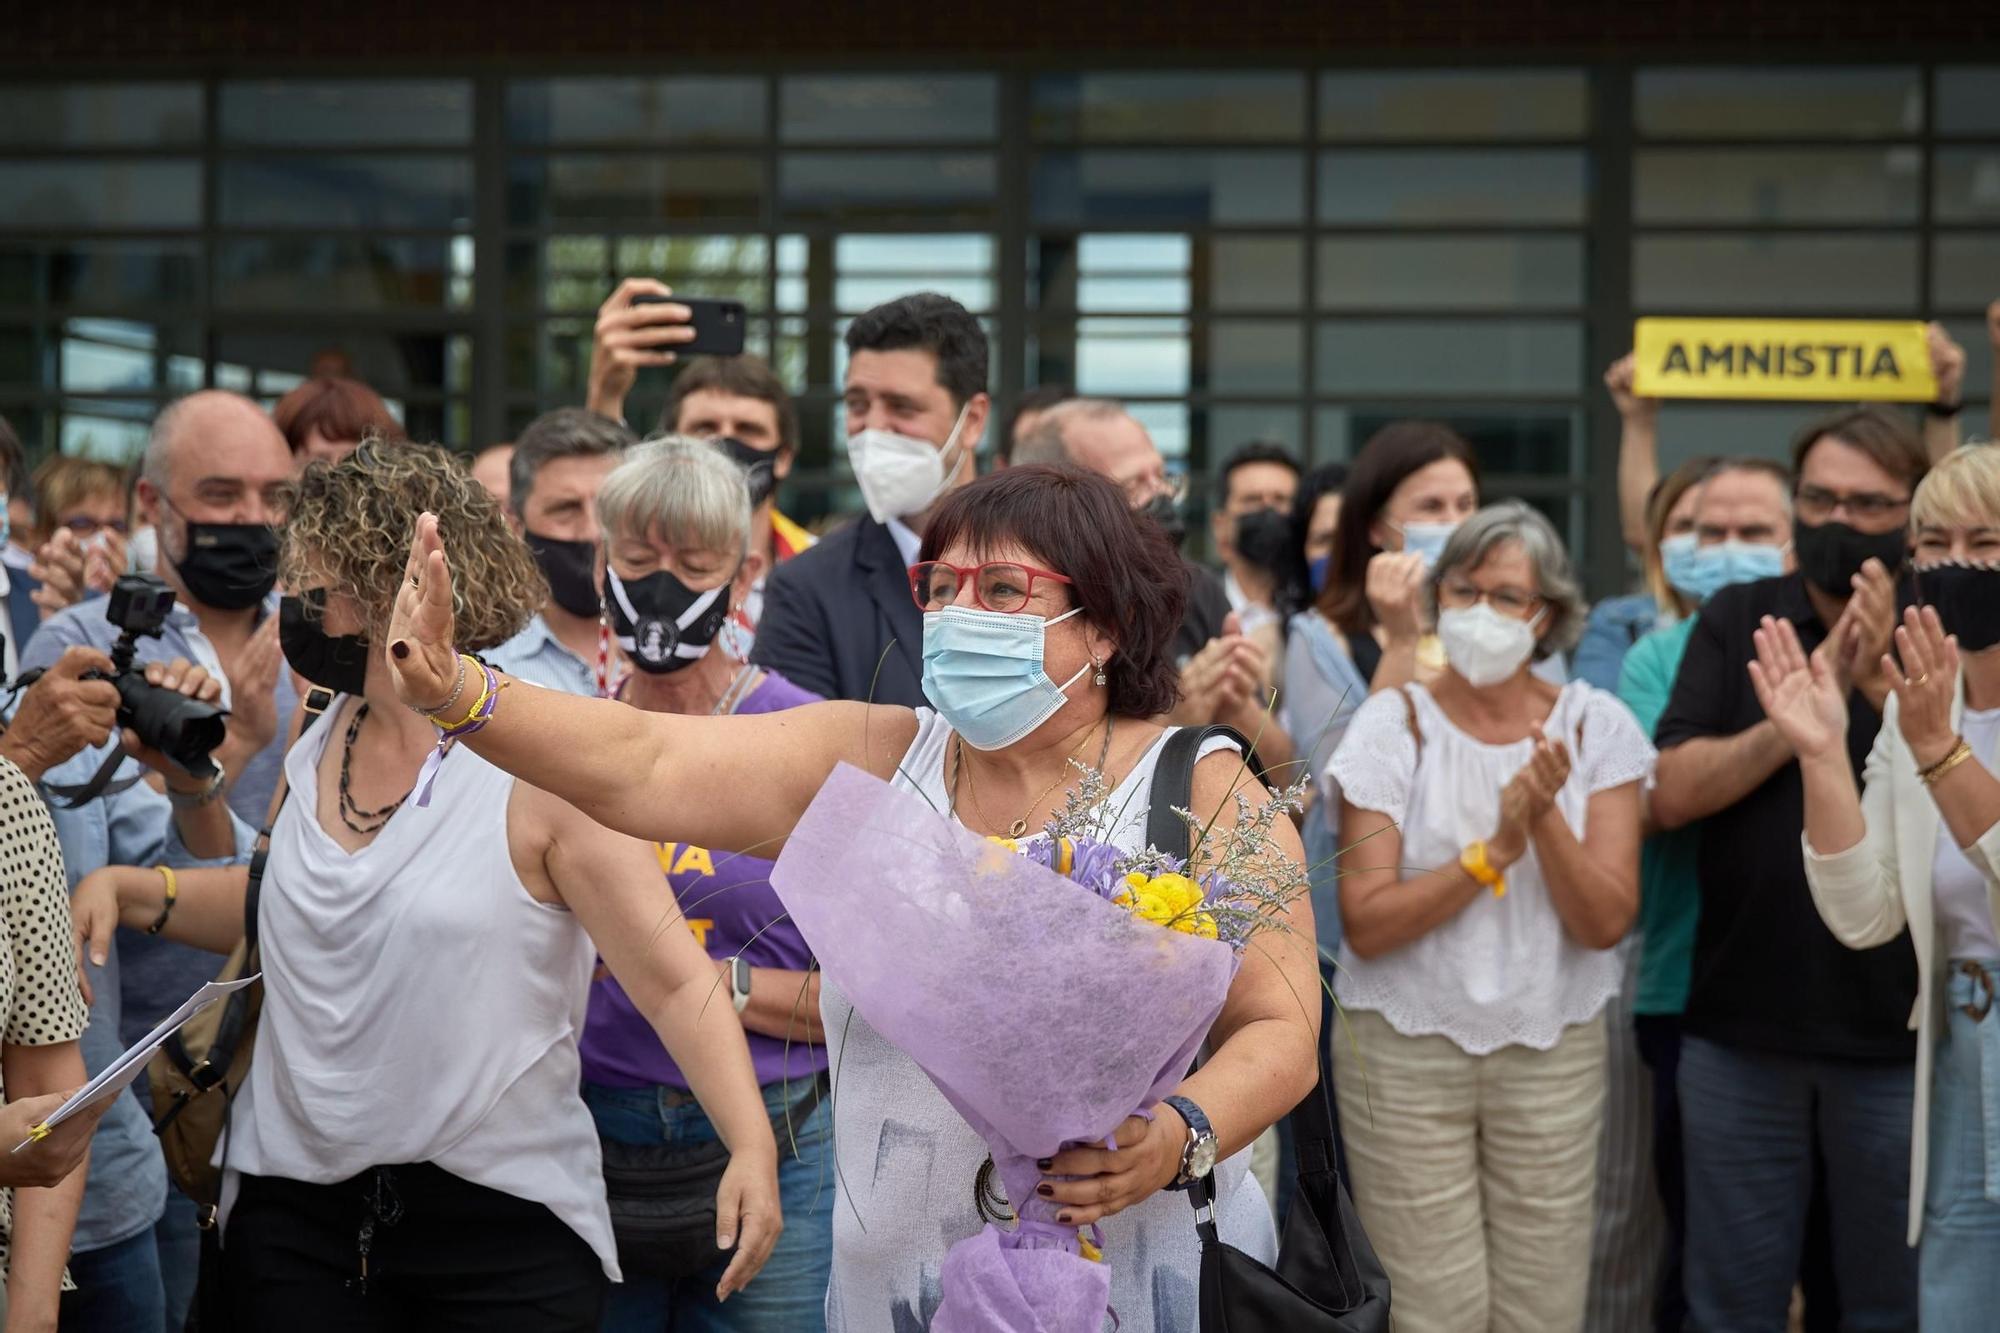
(839,619)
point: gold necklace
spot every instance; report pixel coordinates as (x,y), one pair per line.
(1020,826)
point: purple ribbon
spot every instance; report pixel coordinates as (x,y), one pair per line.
(427,775)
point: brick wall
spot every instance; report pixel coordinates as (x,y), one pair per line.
(230,34)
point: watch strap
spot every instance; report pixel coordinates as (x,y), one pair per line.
(739,983)
(1198,1129)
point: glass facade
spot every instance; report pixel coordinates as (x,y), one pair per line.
(1297,254)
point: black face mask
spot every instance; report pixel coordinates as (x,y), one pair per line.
(1264,538)
(662,624)
(1164,511)
(571,569)
(229,566)
(1967,598)
(1830,554)
(761,464)
(339,662)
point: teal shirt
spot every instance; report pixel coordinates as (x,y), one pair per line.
(1669,890)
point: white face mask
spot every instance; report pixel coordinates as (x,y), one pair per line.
(1484,646)
(900,475)
(1425,539)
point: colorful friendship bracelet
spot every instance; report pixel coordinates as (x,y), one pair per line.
(474,720)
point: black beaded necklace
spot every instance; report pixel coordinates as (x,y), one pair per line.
(352,815)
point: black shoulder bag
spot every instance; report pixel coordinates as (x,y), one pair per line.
(1328,1278)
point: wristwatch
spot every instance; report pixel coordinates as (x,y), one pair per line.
(195,800)
(739,983)
(1198,1157)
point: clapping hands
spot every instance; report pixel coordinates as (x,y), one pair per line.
(1528,796)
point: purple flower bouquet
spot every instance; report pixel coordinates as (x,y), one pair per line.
(1045,1011)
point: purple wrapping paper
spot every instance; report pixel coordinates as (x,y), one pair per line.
(1044,1014)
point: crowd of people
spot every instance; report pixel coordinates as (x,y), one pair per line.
(1656,939)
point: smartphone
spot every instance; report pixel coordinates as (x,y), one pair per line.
(718,325)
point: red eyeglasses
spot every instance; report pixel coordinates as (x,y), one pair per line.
(997,585)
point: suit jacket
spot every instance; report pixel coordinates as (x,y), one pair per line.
(1869,893)
(839,620)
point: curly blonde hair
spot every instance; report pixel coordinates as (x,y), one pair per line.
(347,529)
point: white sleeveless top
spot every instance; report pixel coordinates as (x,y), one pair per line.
(906,1161)
(419,1005)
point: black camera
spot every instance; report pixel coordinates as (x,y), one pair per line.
(184,730)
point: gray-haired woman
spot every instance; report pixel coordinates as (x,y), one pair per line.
(678,562)
(1492,826)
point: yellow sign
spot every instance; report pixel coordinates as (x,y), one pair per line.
(1823,360)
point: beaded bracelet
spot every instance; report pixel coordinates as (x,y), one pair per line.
(475,719)
(456,690)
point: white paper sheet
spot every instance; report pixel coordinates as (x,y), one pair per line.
(118,1075)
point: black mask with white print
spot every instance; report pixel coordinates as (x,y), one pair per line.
(662,624)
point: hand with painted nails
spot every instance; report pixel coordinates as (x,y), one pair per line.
(422,659)
(1092,1184)
(1925,685)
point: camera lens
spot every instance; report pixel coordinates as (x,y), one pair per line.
(183,729)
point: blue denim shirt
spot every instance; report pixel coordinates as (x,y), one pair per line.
(1615,624)
(126,1188)
(537,656)
(158,973)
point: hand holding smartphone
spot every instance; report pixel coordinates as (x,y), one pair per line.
(717,324)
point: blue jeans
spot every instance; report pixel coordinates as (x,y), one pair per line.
(178,1235)
(790,1292)
(1959,1261)
(1749,1119)
(118,1289)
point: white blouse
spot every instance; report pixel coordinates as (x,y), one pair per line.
(1503,972)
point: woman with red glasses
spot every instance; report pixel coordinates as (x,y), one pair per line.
(1049,614)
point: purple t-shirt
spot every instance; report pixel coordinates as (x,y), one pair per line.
(731,907)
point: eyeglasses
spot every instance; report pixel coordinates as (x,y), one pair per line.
(1458,595)
(1149,486)
(84,526)
(997,585)
(1816,505)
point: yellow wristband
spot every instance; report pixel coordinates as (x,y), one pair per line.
(173,891)
(472,712)
(1474,862)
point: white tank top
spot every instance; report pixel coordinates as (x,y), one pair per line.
(419,1005)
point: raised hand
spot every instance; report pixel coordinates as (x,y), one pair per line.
(253,690)
(1805,698)
(423,662)
(1947,363)
(1924,696)
(1395,587)
(1618,379)
(62,566)
(630,337)
(1547,771)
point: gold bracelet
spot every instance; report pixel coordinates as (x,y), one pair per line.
(173,892)
(1959,754)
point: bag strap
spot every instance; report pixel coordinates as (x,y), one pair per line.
(318,699)
(1367,653)
(1173,784)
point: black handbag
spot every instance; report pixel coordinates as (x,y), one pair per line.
(1328,1278)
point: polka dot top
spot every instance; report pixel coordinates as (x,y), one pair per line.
(39,996)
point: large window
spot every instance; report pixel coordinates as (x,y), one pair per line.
(1287,253)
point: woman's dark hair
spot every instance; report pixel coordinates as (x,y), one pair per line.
(1295,589)
(1386,461)
(1126,574)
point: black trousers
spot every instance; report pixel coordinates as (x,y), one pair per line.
(441,1254)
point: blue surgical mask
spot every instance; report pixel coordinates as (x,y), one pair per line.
(1316,571)
(1728,563)
(1425,539)
(983,673)
(1677,562)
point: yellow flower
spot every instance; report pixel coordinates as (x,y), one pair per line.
(999,841)
(1152,907)
(1183,893)
(1204,925)
(1087,1250)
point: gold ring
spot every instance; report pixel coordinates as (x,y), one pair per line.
(413,581)
(1921,681)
